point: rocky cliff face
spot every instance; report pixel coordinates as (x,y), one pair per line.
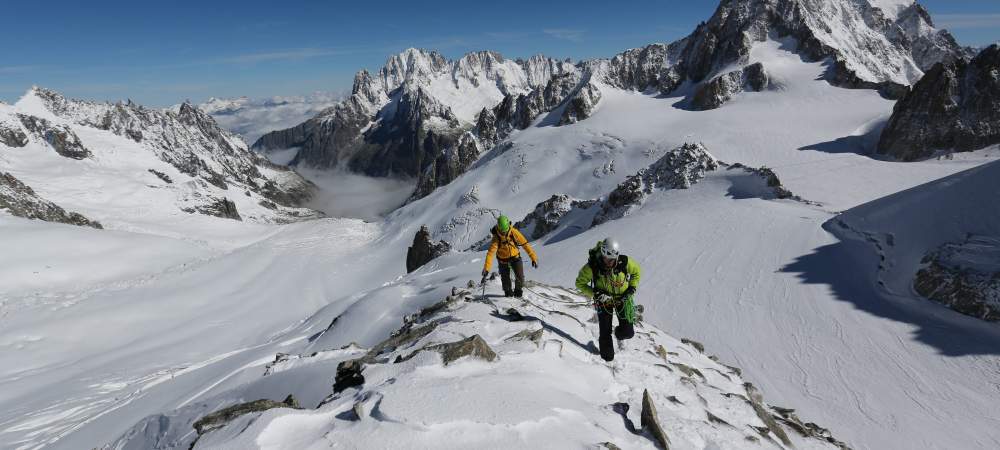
(952,108)
(424,250)
(20,200)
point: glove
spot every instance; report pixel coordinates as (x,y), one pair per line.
(629,292)
(600,298)
(534,264)
(485,272)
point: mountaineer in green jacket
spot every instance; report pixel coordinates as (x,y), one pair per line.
(610,279)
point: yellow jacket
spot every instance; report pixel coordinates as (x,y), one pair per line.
(504,246)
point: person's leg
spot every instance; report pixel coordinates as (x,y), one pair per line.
(504,268)
(624,330)
(604,341)
(518,266)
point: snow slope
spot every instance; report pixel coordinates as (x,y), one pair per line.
(760,282)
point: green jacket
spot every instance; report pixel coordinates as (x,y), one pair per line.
(613,282)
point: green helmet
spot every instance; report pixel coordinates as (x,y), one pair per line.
(503,224)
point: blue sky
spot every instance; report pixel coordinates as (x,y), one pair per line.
(160,53)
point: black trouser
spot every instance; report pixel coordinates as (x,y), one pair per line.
(518,266)
(624,329)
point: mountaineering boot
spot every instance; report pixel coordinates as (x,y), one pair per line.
(518,293)
(507,293)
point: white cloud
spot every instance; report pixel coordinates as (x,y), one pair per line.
(566,34)
(294,54)
(17,69)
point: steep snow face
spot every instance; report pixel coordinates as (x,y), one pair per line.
(539,351)
(130,167)
(253,117)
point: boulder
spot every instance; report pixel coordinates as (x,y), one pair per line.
(473,346)
(223,416)
(651,422)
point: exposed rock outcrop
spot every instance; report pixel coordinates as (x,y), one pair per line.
(222,417)
(952,108)
(964,277)
(650,421)
(678,169)
(719,90)
(473,346)
(218,207)
(448,166)
(581,105)
(20,200)
(63,140)
(162,176)
(547,214)
(12,137)
(424,249)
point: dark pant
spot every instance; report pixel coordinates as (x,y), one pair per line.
(624,330)
(505,266)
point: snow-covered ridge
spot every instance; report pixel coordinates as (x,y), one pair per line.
(180,162)
(503,373)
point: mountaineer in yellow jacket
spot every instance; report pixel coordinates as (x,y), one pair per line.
(611,279)
(506,239)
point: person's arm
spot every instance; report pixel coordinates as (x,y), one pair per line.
(520,240)
(491,253)
(634,274)
(583,280)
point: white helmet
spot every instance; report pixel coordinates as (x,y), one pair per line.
(609,248)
